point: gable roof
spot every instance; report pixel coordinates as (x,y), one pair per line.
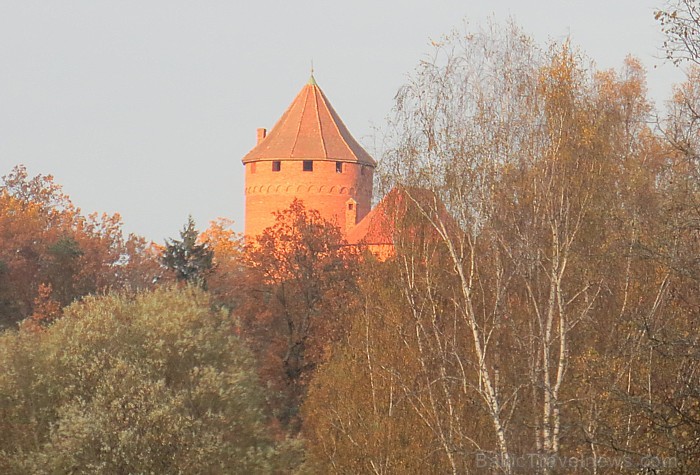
(310,129)
(402,208)
(377,227)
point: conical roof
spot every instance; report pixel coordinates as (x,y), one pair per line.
(310,129)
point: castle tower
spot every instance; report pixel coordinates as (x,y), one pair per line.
(309,154)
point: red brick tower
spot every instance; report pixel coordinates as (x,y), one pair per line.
(309,154)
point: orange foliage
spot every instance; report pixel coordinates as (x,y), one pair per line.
(225,280)
(300,283)
(47,247)
(46,309)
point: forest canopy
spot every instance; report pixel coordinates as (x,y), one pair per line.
(156,383)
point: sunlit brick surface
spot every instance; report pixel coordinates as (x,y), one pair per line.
(309,130)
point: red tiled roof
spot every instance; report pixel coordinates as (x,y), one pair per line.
(377,227)
(380,225)
(310,129)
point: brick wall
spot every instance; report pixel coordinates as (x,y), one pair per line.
(323,189)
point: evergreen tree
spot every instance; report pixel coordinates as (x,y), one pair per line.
(191,261)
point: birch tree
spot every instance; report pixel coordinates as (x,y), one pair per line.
(518,146)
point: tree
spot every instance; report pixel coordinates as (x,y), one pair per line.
(157,383)
(301,282)
(680,23)
(369,409)
(46,241)
(665,389)
(191,260)
(517,332)
(226,281)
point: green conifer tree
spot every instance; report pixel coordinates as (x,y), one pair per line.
(191,261)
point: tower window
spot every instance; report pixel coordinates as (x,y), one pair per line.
(362,169)
(350,206)
(308,165)
(252,167)
(339,167)
(276,166)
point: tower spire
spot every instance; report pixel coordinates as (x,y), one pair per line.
(312,80)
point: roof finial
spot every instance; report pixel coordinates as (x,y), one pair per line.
(312,81)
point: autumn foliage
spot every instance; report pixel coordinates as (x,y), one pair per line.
(300,284)
(552,331)
(50,252)
(538,312)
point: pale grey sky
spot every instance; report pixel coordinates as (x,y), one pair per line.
(146,107)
